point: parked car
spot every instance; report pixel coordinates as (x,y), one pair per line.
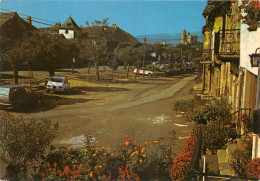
(58,83)
(19,96)
(145,71)
(3,82)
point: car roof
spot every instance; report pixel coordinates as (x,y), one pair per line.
(12,86)
(58,77)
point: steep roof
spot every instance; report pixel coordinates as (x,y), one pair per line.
(13,26)
(70,24)
(111,33)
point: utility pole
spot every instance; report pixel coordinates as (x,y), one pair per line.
(181,58)
(144,56)
(73,61)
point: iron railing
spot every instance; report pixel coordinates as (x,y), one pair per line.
(227,42)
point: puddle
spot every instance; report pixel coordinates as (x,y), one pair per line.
(77,141)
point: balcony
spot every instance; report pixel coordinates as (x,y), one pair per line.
(227,44)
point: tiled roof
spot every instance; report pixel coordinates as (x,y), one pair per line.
(70,24)
(13,26)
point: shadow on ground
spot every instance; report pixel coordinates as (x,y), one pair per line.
(10,76)
(97,89)
(50,102)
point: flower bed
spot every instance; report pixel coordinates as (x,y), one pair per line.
(182,162)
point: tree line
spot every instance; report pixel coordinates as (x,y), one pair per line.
(49,52)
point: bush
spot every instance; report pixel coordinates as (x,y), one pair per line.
(129,161)
(182,162)
(215,134)
(241,157)
(22,141)
(188,105)
(210,113)
(72,163)
(253,168)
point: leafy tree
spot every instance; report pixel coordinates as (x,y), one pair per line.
(105,22)
(22,141)
(14,55)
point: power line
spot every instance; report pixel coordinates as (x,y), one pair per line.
(40,22)
(30,16)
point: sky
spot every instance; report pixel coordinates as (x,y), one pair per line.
(135,17)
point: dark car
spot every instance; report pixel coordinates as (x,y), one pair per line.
(19,96)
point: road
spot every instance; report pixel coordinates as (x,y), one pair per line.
(113,113)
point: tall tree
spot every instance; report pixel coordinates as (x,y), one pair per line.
(15,56)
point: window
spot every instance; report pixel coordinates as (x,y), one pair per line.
(66,31)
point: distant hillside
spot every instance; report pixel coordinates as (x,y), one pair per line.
(174,38)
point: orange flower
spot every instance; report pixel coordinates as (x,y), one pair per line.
(141,161)
(156,142)
(100,166)
(55,164)
(127,143)
(94,154)
(146,143)
(61,174)
(162,144)
(144,155)
(96,167)
(112,154)
(91,174)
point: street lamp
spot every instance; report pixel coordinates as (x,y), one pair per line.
(255,58)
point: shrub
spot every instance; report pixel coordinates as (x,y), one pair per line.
(253,168)
(188,105)
(129,160)
(215,134)
(72,163)
(247,122)
(182,162)
(210,113)
(240,157)
(22,141)
(127,174)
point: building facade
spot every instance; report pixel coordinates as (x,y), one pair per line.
(227,71)
(69,29)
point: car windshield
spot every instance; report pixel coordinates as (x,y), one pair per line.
(56,80)
(4,92)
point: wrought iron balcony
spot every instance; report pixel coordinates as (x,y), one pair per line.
(227,43)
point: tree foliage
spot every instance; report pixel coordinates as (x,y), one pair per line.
(22,141)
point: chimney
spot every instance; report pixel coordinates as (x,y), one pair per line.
(29,19)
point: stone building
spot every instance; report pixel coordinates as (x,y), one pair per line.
(227,71)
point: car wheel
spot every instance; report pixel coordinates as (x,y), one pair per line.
(150,75)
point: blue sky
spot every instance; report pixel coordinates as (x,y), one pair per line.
(135,17)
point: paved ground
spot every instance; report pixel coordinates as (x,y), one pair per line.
(113,112)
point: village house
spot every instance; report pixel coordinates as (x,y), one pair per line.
(12,26)
(227,71)
(69,29)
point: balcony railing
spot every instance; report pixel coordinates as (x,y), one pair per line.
(227,43)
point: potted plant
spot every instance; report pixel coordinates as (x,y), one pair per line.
(252,17)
